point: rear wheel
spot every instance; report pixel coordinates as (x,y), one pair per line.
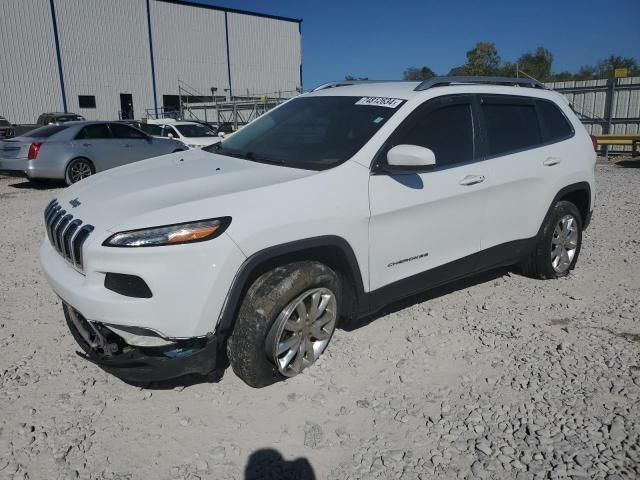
(558,247)
(286,321)
(78,169)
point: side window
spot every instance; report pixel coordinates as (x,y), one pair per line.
(166,130)
(445,129)
(120,130)
(151,129)
(94,131)
(555,123)
(510,125)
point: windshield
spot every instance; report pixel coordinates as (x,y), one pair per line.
(44,132)
(314,133)
(195,130)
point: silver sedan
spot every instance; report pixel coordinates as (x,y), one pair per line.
(75,150)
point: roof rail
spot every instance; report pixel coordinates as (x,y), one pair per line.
(443,81)
(346,83)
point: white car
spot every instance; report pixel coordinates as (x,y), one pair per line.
(192,134)
(330,206)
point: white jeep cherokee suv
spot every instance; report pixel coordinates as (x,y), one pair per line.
(330,206)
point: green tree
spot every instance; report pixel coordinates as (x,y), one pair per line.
(483,59)
(458,71)
(605,68)
(586,72)
(561,76)
(536,64)
(418,74)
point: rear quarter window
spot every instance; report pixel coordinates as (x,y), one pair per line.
(556,126)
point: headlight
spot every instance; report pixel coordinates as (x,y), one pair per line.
(176,234)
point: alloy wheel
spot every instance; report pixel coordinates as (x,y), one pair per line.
(79,170)
(564,243)
(302,331)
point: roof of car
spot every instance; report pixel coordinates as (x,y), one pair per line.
(61,113)
(406,90)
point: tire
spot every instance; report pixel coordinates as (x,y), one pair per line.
(269,318)
(545,261)
(78,169)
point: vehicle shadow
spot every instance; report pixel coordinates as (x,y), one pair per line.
(268,464)
(425,296)
(628,163)
(37,185)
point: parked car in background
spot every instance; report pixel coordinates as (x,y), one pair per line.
(76,150)
(192,134)
(6,129)
(206,125)
(150,128)
(58,117)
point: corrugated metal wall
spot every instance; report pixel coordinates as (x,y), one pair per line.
(189,46)
(265,55)
(29,82)
(592,98)
(105,51)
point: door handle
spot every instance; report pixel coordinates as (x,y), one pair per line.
(472,180)
(551,161)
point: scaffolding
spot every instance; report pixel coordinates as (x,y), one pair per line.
(223,111)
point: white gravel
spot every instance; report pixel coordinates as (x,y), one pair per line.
(498,377)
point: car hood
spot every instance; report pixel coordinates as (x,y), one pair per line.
(169,189)
(204,141)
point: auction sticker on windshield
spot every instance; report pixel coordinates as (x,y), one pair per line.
(380,101)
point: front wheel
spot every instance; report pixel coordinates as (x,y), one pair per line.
(558,245)
(78,169)
(285,322)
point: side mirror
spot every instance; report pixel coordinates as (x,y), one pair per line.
(410,156)
(170,135)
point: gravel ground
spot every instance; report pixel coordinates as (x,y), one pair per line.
(497,377)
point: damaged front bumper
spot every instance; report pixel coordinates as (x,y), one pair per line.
(109,351)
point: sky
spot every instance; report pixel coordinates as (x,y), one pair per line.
(380,39)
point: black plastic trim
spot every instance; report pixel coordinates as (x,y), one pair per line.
(127,285)
(149,364)
(241,279)
(488,259)
(575,187)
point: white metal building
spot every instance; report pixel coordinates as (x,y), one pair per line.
(107,59)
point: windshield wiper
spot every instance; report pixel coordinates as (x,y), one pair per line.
(260,158)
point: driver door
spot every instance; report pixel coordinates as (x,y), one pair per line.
(428,217)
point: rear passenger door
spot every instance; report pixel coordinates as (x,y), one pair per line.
(94,142)
(523,165)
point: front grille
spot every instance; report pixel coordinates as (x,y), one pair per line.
(66,233)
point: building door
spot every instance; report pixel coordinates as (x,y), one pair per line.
(126,106)
(171,105)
